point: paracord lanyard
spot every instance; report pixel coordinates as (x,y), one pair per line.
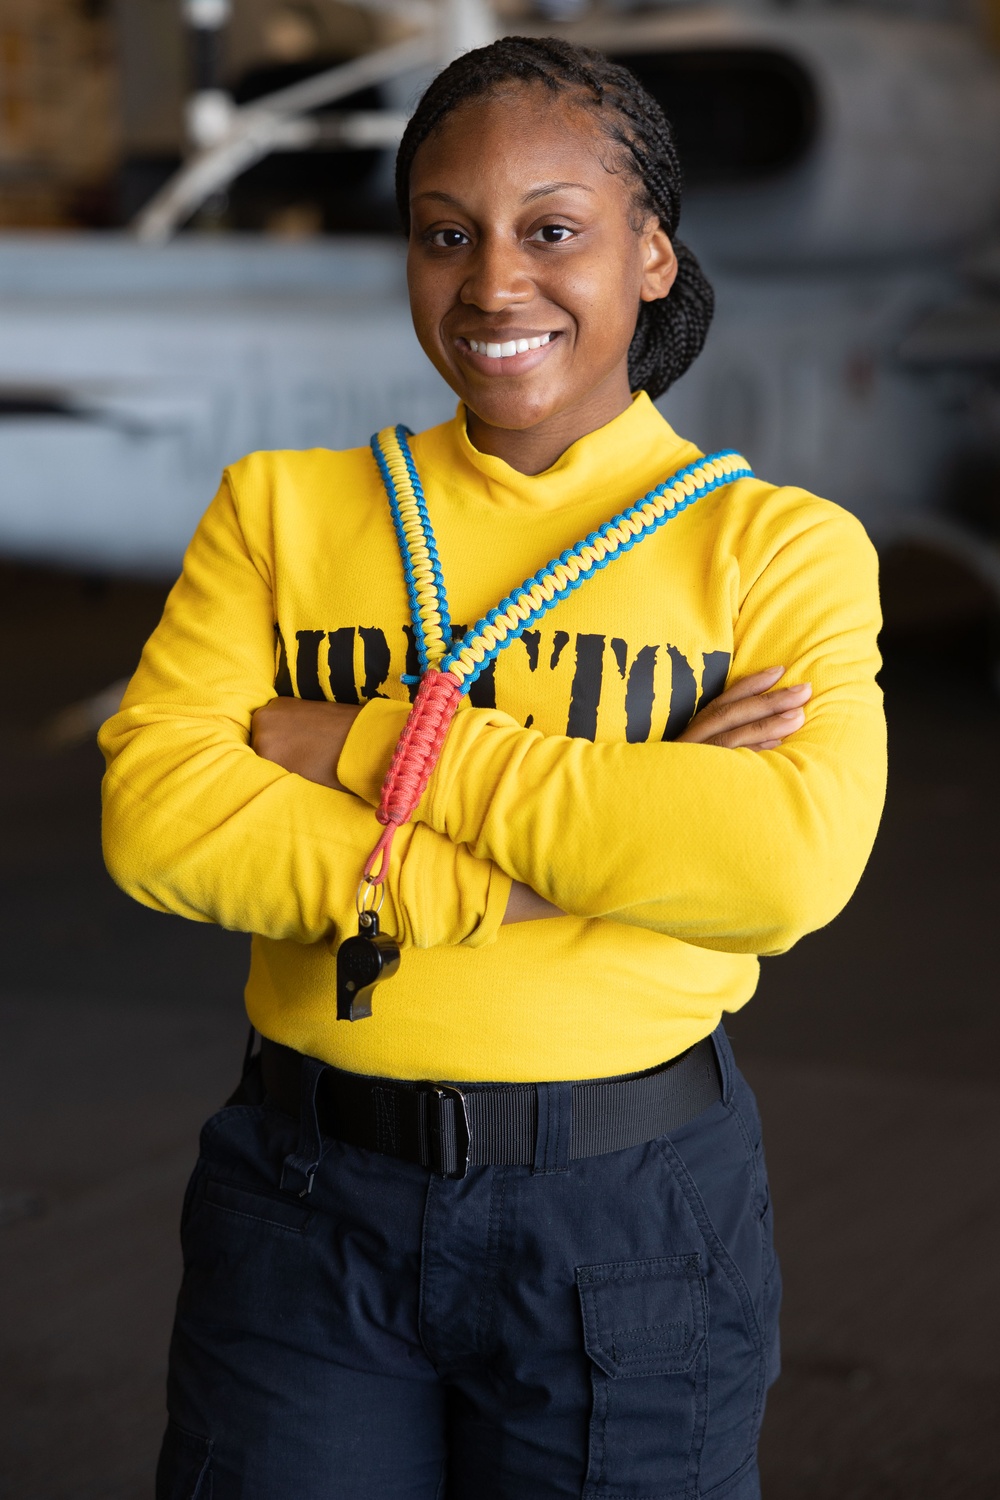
(447,669)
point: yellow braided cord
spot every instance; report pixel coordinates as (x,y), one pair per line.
(425,583)
(566,572)
(421,566)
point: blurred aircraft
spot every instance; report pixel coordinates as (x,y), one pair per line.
(841,164)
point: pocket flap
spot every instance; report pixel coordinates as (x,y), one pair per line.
(280,1213)
(644,1317)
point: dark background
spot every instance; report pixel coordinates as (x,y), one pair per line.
(872,1048)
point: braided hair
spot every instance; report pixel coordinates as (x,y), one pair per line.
(670,332)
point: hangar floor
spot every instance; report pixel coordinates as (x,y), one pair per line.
(872,1048)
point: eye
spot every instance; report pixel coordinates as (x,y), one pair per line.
(553,234)
(448,239)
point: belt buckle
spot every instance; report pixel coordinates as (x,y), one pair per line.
(449,1139)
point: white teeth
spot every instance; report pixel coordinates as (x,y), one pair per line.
(513,346)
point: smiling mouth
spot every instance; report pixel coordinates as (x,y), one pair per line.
(509,347)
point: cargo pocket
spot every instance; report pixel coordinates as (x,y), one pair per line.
(184,1471)
(644,1328)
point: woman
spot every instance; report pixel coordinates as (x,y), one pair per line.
(509,1235)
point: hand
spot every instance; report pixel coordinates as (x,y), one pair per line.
(304,736)
(748,715)
(525,905)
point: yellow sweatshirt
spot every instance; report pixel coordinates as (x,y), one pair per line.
(676,864)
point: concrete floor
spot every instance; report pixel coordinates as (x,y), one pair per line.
(871,1047)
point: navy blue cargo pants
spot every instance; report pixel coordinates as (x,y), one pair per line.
(603,1328)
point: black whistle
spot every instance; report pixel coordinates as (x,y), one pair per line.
(362,962)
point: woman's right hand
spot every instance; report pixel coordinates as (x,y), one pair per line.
(752,714)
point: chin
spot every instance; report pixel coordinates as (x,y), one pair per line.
(513,412)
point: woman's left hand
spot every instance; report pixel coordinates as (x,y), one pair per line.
(304,736)
(751,714)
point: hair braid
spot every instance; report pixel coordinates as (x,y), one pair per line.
(669,333)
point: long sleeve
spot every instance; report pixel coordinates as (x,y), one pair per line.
(738,851)
(197,824)
(675,863)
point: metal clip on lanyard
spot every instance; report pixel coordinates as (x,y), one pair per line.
(364,961)
(448,670)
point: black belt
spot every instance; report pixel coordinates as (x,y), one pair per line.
(450,1127)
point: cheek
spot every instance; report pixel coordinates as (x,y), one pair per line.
(426,306)
(606,311)
(604,292)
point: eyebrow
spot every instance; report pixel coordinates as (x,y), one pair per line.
(554,187)
(539,192)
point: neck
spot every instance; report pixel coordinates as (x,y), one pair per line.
(532,450)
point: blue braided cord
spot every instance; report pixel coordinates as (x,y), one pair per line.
(402,435)
(397,521)
(559,595)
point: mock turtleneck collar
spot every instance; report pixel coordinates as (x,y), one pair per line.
(625,457)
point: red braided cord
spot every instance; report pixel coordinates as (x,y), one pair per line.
(383,847)
(413,760)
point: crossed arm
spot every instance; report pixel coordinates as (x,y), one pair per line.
(307,737)
(739,852)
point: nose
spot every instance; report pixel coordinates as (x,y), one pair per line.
(496,276)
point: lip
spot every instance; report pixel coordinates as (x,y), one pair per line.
(512,364)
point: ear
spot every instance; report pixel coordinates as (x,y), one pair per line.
(660,265)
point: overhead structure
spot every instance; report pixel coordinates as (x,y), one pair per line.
(840,166)
(227,139)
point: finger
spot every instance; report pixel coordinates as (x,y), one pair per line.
(748,687)
(719,717)
(752,736)
(761,705)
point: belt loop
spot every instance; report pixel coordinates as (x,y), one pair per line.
(725,1059)
(299,1168)
(554,1128)
(248,1052)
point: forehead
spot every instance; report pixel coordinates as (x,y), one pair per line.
(514,139)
